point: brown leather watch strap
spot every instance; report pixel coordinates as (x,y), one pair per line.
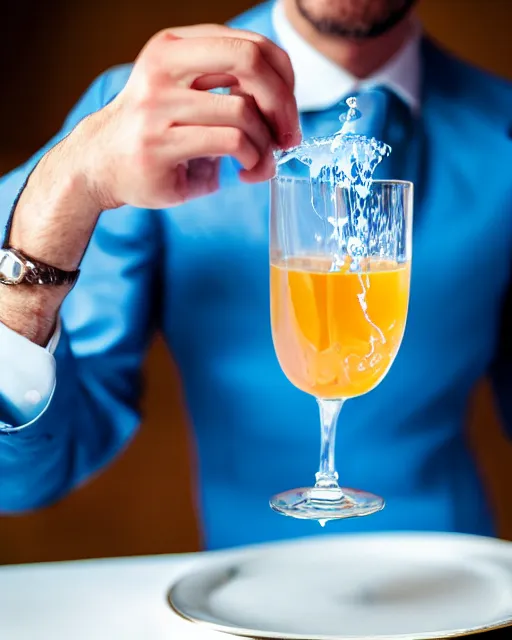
(38,272)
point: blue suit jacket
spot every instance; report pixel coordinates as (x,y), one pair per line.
(199,273)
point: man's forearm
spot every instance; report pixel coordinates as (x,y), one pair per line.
(137,150)
(53,221)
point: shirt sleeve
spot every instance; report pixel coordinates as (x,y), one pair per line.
(90,385)
(27,376)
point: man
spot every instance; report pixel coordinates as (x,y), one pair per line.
(199,271)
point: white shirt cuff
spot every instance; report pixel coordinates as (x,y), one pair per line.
(27,377)
(54,340)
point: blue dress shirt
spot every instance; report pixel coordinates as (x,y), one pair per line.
(199,273)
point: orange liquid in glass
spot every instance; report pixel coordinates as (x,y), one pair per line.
(336,333)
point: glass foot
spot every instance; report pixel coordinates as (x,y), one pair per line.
(326,503)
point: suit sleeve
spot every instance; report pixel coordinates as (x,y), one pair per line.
(63,415)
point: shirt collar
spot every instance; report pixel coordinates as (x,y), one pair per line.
(320,83)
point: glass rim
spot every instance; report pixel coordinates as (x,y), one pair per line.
(404,183)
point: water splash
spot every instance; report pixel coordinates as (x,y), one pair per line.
(340,169)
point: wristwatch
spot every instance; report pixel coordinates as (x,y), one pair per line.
(18,268)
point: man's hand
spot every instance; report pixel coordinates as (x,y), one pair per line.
(157,144)
(148,141)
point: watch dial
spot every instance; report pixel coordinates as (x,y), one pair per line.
(10,267)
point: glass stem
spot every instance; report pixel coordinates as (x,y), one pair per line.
(327,476)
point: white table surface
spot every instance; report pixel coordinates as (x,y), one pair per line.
(110,599)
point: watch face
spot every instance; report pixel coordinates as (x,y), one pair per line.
(12,268)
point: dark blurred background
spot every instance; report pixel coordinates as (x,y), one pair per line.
(49,52)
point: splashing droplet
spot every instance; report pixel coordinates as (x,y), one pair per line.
(347,119)
(322,523)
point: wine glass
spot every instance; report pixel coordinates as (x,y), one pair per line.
(340,275)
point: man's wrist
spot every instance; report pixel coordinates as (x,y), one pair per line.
(52,222)
(31,311)
(58,208)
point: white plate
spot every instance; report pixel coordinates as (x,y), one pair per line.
(378,586)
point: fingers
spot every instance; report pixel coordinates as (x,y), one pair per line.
(199,142)
(187,60)
(214,81)
(209,109)
(243,60)
(264,170)
(273,54)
